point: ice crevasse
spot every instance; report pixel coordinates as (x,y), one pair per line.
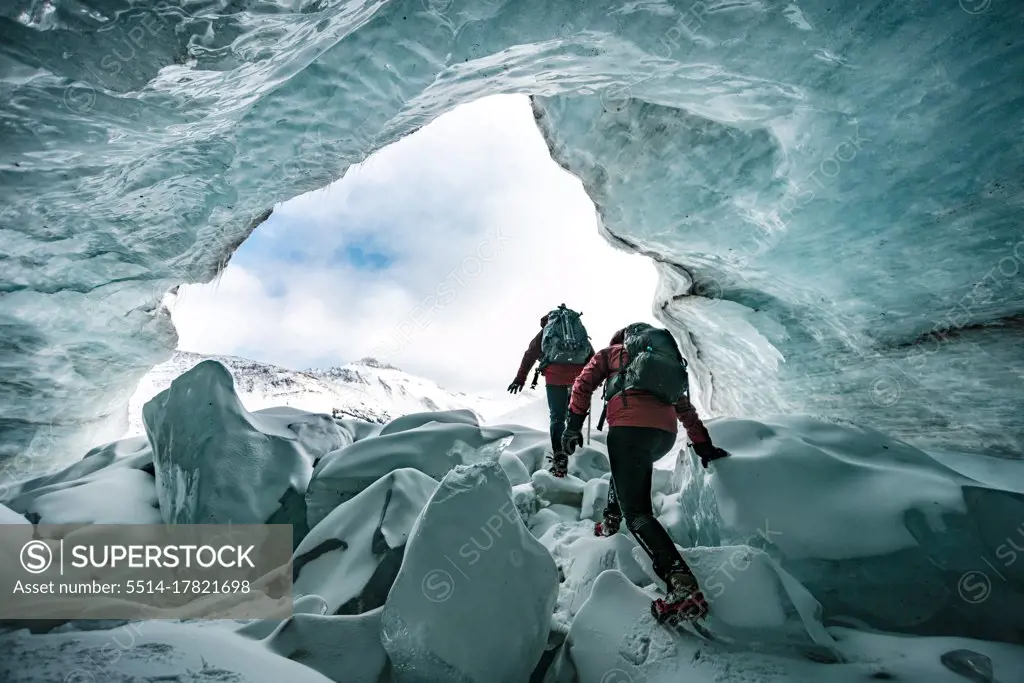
(831,190)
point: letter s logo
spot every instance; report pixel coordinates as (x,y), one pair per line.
(36,557)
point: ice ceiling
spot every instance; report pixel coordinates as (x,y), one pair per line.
(833,190)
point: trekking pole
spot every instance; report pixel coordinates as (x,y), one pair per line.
(536,376)
(588,429)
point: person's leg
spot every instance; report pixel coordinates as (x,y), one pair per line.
(632,452)
(558,410)
(612,508)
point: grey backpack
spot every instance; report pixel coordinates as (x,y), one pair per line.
(564,339)
(655,365)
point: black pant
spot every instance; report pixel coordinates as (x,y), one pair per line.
(558,409)
(632,452)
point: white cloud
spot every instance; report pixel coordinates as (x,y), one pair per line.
(432,202)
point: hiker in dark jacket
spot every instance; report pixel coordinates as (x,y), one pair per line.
(642,429)
(558,380)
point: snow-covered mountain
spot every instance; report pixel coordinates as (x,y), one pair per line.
(367,389)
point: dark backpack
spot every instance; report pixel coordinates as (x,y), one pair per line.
(655,365)
(564,340)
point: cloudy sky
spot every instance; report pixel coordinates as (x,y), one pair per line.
(438,254)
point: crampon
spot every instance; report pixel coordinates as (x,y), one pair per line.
(559,465)
(692,607)
(608,527)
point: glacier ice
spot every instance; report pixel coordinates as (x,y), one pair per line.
(351,557)
(215,461)
(473,599)
(344,648)
(835,221)
(878,530)
(414,420)
(112,484)
(512,584)
(432,448)
(147,649)
(613,639)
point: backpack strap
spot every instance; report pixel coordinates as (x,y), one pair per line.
(622,367)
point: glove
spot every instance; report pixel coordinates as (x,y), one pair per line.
(573,435)
(516,386)
(708,452)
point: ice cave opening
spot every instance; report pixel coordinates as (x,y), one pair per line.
(830,194)
(437,254)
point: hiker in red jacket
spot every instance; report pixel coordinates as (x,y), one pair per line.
(558,379)
(642,429)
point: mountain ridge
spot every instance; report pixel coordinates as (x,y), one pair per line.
(367,389)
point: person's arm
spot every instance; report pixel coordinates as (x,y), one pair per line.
(695,429)
(531,356)
(587,382)
(698,433)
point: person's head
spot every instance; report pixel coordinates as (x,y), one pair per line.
(618,337)
(544,320)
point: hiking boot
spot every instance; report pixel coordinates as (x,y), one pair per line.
(559,464)
(608,527)
(684,601)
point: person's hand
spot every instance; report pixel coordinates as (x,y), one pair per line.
(709,452)
(573,434)
(570,440)
(516,386)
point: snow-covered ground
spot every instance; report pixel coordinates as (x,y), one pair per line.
(435,548)
(367,389)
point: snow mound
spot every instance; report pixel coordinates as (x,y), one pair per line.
(433,448)
(359,429)
(567,490)
(795,455)
(318,434)
(514,468)
(122,496)
(147,650)
(753,600)
(17,531)
(414,420)
(613,639)
(342,648)
(113,484)
(473,599)
(582,560)
(351,558)
(132,452)
(882,532)
(215,461)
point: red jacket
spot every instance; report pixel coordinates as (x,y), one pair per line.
(556,374)
(641,409)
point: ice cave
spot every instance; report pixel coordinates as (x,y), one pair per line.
(832,195)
